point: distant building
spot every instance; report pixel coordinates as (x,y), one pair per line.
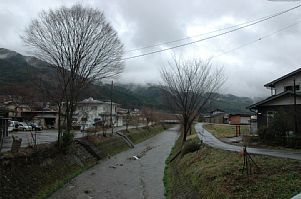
(282,98)
(96,112)
(239,119)
(46,117)
(217,116)
(3,123)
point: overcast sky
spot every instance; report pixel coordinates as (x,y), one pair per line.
(141,23)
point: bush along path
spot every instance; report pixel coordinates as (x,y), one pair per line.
(201,171)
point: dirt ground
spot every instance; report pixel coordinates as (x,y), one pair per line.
(124,176)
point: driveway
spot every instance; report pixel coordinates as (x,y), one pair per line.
(212,141)
(124,177)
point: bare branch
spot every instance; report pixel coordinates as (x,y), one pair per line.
(80,45)
(190,84)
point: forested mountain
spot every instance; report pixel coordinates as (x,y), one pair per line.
(20,75)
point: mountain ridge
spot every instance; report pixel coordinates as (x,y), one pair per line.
(19,72)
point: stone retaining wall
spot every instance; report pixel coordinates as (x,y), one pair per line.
(35,175)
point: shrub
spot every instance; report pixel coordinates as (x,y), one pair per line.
(191,146)
(277,130)
(66,141)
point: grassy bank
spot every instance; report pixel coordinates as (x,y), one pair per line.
(38,174)
(114,145)
(225,130)
(213,173)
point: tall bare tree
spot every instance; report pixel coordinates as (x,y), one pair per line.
(80,45)
(189,85)
(148,114)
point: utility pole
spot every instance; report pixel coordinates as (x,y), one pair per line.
(295,107)
(112,126)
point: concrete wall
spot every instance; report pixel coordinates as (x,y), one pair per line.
(245,119)
(95,111)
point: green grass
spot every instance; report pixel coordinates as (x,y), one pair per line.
(225,130)
(213,173)
(52,187)
(114,145)
(142,134)
(172,178)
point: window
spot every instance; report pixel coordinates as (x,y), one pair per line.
(290,88)
(270,117)
(93,108)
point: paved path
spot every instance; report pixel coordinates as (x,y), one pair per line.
(209,139)
(121,177)
(48,136)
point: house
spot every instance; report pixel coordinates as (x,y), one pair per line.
(15,110)
(46,117)
(285,97)
(4,123)
(217,116)
(91,111)
(239,119)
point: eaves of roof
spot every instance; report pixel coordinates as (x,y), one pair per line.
(272,98)
(272,83)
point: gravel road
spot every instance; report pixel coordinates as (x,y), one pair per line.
(123,176)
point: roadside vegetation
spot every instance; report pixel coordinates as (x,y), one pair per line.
(280,131)
(264,139)
(113,145)
(206,172)
(225,130)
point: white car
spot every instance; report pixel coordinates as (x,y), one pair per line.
(22,126)
(13,125)
(10,129)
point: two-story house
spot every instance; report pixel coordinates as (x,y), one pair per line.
(96,112)
(285,96)
(217,116)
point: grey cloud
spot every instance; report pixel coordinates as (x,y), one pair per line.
(141,23)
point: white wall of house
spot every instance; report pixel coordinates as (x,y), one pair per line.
(279,86)
(245,119)
(90,110)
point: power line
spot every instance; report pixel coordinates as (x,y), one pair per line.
(202,34)
(214,36)
(257,40)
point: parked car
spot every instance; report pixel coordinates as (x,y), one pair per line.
(10,128)
(49,126)
(22,126)
(36,127)
(13,125)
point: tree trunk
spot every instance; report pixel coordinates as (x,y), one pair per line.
(59,124)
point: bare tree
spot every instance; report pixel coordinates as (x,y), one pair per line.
(148,114)
(80,45)
(189,85)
